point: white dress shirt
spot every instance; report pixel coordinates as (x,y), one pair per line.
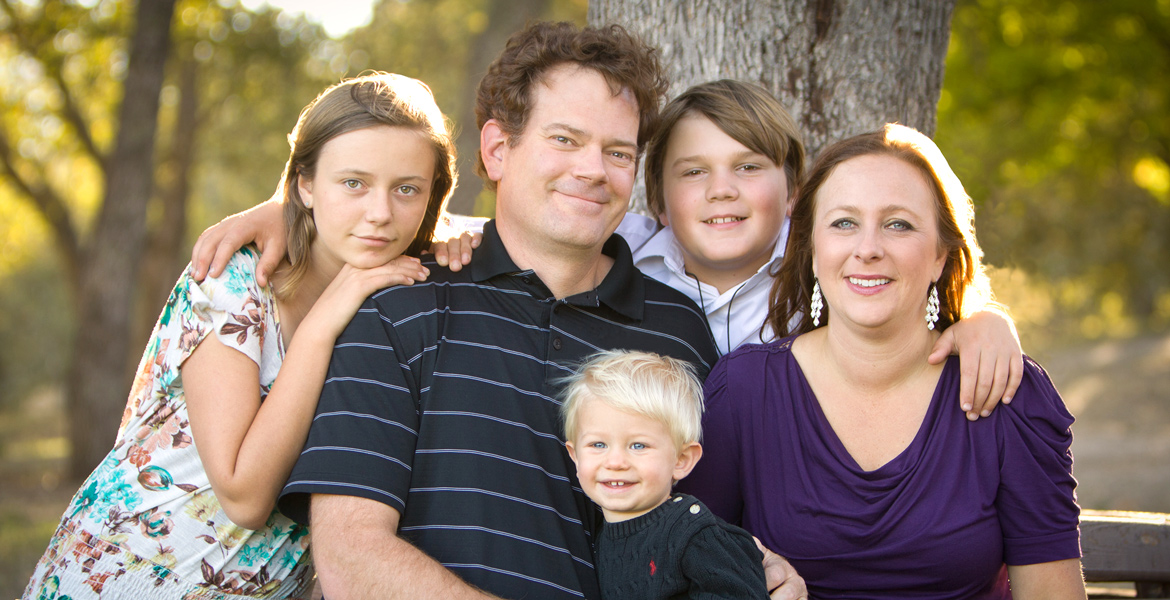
(736,316)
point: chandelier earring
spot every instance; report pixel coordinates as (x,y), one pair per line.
(817,304)
(932,307)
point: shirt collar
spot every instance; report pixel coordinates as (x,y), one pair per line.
(665,246)
(623,288)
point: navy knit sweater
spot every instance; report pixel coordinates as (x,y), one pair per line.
(678,550)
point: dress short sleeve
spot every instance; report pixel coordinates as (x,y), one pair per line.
(231,305)
(1036,502)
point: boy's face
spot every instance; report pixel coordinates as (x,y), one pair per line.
(725,203)
(626,463)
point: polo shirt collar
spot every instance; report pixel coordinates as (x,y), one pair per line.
(623,288)
(491,258)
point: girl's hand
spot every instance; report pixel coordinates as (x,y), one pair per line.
(263,224)
(456,252)
(341,300)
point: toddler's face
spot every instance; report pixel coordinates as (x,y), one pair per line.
(626,463)
(724,202)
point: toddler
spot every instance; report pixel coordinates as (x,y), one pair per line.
(632,426)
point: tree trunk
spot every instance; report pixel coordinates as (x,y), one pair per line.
(505,17)
(99,377)
(166,245)
(840,67)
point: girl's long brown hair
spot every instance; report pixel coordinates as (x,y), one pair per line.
(367,101)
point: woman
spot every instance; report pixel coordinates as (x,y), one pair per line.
(182,507)
(842,449)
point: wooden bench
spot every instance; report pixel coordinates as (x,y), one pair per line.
(1130,547)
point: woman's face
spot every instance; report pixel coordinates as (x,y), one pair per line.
(368,196)
(875,243)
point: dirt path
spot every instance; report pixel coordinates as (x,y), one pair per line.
(1120,395)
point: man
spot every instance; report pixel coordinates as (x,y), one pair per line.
(438,420)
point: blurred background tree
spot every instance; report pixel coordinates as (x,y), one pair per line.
(1056,115)
(114,242)
(234,83)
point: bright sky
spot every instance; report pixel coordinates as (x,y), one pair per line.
(337,16)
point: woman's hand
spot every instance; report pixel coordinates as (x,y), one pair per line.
(340,301)
(990,360)
(456,252)
(782,580)
(263,224)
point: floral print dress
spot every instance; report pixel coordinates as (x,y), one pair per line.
(146,523)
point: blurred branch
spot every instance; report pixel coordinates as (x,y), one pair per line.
(1159,33)
(51,207)
(69,107)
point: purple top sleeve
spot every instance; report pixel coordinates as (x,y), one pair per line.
(941,519)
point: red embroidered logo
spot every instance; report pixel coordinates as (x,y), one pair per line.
(653,567)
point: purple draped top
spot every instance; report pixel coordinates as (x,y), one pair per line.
(940,520)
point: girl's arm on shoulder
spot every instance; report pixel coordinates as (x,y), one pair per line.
(262,224)
(247,447)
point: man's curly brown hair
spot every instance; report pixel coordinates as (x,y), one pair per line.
(626,62)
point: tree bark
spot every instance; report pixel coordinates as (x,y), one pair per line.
(840,67)
(99,376)
(166,245)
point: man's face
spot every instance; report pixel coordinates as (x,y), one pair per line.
(564,185)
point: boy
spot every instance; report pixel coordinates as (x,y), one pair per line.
(632,426)
(720,170)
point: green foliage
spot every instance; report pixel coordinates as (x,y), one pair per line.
(61,71)
(1056,115)
(36,326)
(257,70)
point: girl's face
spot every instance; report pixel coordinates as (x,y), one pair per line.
(876,244)
(724,202)
(368,196)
